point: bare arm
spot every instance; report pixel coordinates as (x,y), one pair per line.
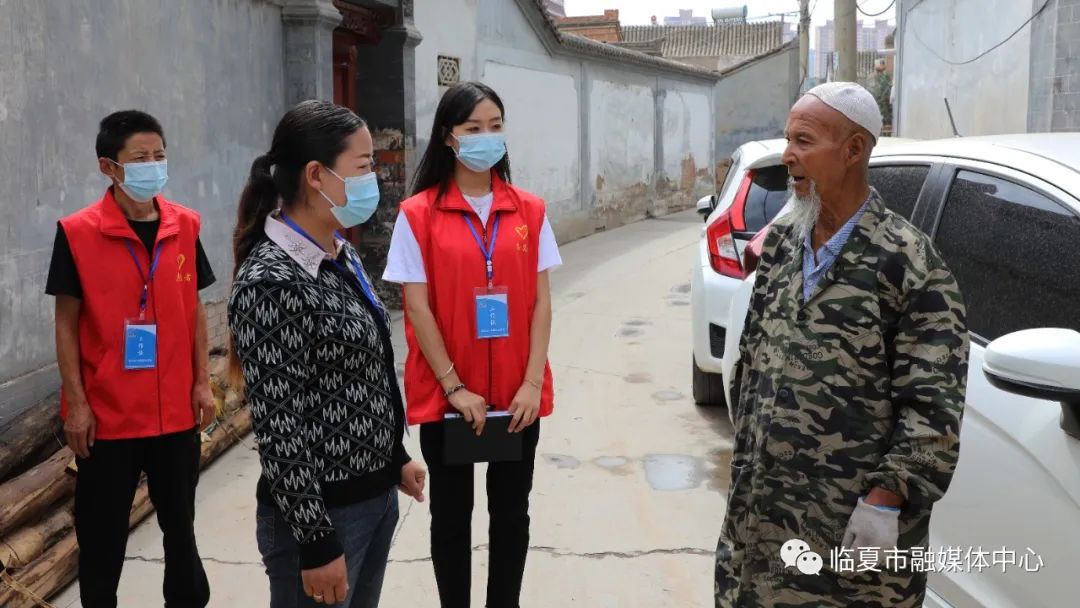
(201,361)
(471,405)
(526,405)
(540,332)
(80,426)
(202,397)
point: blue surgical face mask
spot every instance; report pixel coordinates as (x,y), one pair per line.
(144,181)
(482,151)
(361,199)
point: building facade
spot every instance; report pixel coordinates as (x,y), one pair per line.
(605,134)
(995,84)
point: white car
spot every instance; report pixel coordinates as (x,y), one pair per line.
(1004,212)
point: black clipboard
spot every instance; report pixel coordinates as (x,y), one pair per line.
(461,445)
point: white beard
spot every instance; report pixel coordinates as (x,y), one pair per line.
(804,210)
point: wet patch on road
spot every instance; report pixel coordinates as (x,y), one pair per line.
(668,395)
(638,378)
(684,288)
(629,332)
(613,464)
(673,472)
(562,461)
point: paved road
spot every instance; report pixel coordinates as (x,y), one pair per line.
(630,479)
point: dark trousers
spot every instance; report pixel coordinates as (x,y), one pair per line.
(104,490)
(365,530)
(451,493)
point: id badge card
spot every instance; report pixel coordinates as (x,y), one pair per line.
(140,344)
(492,313)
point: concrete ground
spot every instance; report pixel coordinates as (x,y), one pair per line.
(630,479)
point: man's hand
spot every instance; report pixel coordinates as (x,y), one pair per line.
(873,526)
(413,476)
(80,428)
(202,402)
(472,406)
(327,584)
(525,407)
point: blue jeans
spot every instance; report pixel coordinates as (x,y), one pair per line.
(364,529)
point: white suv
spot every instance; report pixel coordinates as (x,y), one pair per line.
(1004,211)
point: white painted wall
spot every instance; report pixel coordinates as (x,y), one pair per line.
(687,131)
(542,130)
(448,28)
(622,122)
(988,96)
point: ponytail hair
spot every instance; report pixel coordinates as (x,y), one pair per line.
(311,131)
(258,200)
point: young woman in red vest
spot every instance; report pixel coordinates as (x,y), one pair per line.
(467,235)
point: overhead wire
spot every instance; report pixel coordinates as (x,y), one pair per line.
(987,51)
(887,9)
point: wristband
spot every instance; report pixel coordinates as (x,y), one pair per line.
(453,390)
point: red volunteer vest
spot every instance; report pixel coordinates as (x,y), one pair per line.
(143,403)
(454,264)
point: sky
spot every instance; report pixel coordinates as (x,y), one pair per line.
(638,12)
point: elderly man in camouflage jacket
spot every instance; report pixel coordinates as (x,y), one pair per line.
(850,386)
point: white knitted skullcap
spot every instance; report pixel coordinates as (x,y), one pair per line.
(853,101)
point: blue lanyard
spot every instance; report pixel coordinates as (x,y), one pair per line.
(368,293)
(146,279)
(488,250)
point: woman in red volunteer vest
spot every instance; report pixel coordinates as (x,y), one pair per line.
(465,239)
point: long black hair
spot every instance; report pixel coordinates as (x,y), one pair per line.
(457,104)
(311,130)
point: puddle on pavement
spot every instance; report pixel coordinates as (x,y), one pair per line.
(637,323)
(684,288)
(562,461)
(678,303)
(616,465)
(668,395)
(673,472)
(629,332)
(611,462)
(638,378)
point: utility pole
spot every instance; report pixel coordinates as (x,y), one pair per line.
(846,40)
(804,42)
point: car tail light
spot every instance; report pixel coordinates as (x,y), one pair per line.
(723,252)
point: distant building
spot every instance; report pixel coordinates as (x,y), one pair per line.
(555,8)
(602,28)
(867,39)
(714,47)
(686,17)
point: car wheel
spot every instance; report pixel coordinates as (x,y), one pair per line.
(708,388)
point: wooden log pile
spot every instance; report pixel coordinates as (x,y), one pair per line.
(39,553)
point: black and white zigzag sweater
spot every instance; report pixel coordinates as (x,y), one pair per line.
(319,374)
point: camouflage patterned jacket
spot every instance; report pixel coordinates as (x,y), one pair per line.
(860,387)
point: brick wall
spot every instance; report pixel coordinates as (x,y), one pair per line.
(602,28)
(217,324)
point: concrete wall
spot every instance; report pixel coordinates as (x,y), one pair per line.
(988,96)
(753,102)
(65,66)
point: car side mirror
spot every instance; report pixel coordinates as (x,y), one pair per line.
(1042,364)
(706,205)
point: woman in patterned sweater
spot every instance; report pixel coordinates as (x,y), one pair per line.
(311,341)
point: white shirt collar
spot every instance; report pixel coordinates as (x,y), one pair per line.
(305,253)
